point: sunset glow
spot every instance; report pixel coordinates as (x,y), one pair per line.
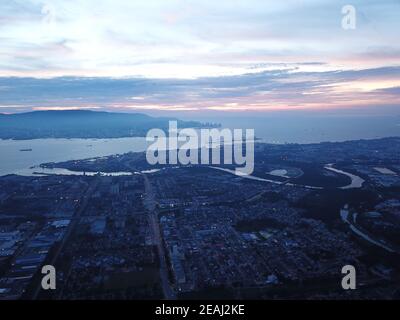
(197,56)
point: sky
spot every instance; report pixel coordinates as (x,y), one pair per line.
(171,56)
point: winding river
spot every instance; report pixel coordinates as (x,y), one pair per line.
(356,181)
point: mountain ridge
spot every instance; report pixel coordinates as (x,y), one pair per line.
(82,124)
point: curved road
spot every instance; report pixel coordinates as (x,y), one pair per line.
(349,219)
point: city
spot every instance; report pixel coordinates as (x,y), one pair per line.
(199,159)
(192,232)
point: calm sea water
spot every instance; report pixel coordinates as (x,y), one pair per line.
(309,128)
(12,160)
(272,129)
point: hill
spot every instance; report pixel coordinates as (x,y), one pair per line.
(81,124)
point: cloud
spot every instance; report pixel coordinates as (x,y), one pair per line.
(268,90)
(197,55)
(190,39)
(393,90)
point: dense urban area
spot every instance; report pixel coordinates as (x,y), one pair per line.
(191,232)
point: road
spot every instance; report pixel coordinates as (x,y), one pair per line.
(150,204)
(347,218)
(74,222)
(263,179)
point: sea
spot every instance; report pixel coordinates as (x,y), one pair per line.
(19,156)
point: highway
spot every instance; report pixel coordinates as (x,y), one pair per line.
(74,222)
(347,218)
(150,204)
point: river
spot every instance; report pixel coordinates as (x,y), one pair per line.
(38,151)
(356,182)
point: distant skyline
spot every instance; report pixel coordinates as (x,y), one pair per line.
(195,56)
